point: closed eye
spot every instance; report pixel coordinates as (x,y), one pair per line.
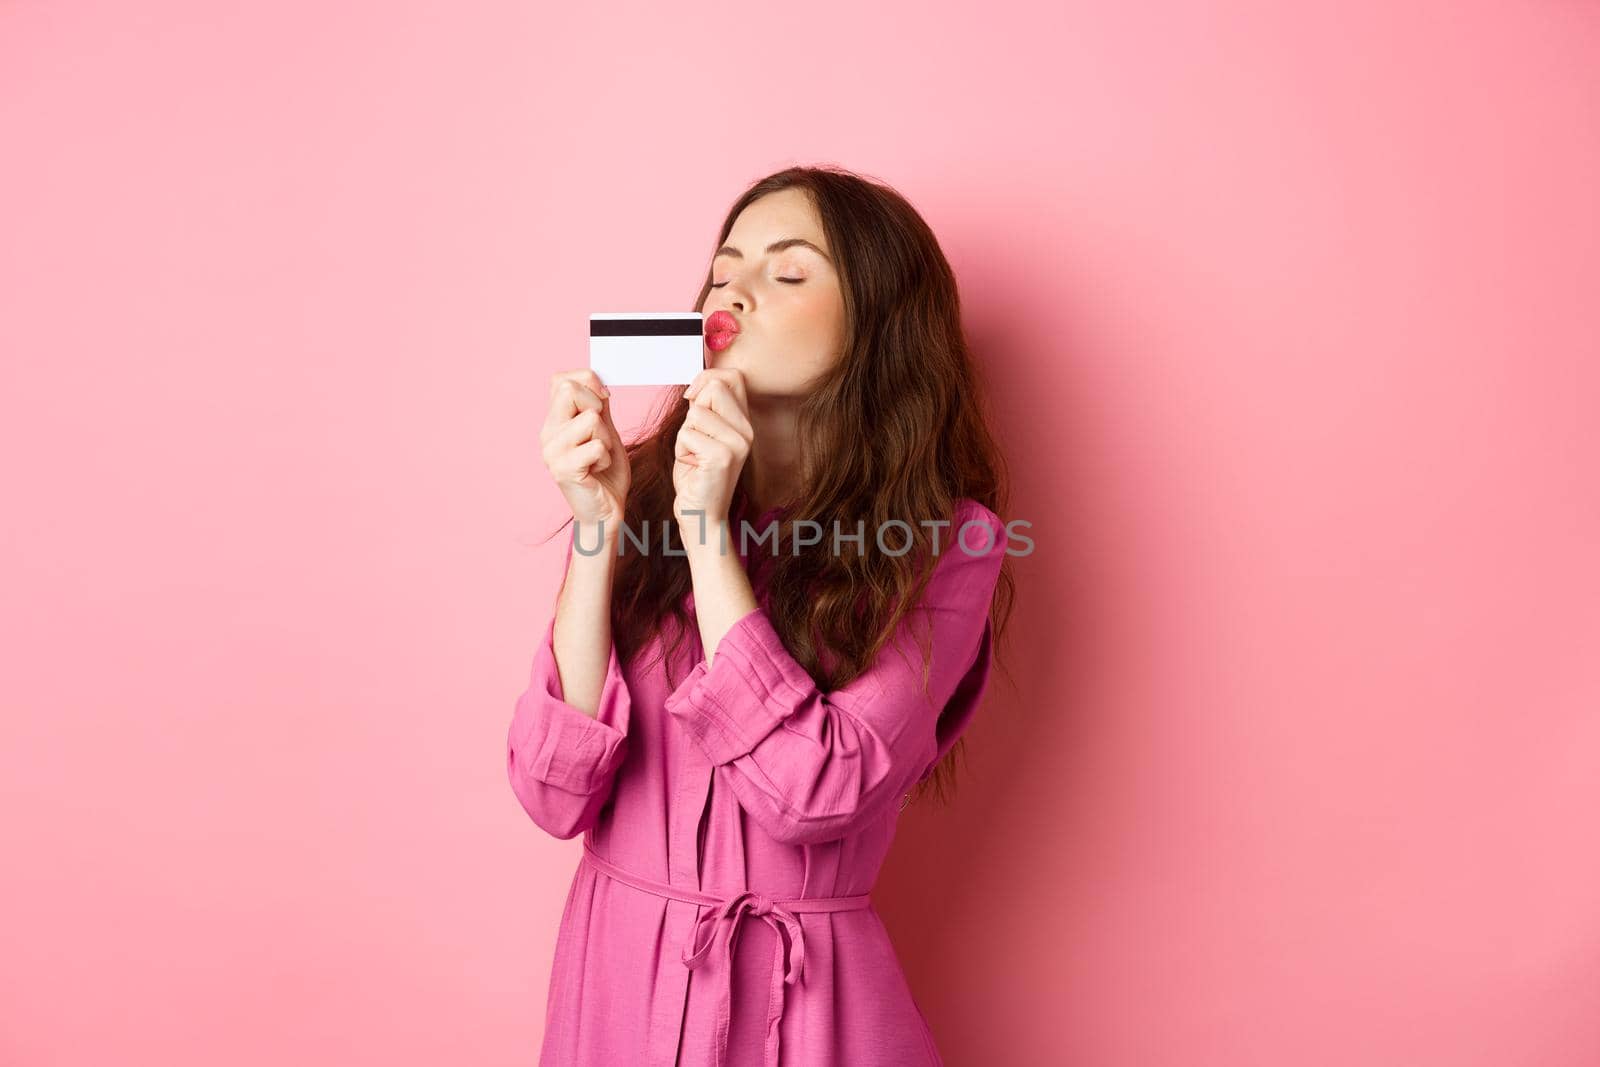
(791,281)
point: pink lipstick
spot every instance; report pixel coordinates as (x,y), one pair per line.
(721,329)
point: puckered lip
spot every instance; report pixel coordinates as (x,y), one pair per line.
(721,322)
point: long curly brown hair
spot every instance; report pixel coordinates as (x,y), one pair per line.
(896,430)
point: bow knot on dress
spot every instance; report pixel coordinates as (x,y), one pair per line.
(725,919)
(788,962)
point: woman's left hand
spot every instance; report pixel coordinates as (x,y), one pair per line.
(713,443)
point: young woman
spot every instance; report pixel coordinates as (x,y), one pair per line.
(734,725)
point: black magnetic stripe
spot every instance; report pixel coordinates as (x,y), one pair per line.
(644,327)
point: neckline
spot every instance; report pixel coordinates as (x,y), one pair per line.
(756,560)
(760,521)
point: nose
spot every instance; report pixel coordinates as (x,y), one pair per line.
(734,296)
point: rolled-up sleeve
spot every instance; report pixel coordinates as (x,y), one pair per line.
(562,762)
(812,766)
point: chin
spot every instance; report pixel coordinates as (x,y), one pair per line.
(726,358)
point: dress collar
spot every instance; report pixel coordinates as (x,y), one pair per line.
(760,521)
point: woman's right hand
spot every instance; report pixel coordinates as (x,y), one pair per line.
(583,451)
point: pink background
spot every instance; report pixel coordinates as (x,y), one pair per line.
(1291,325)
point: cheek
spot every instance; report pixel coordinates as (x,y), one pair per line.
(831,322)
(820,315)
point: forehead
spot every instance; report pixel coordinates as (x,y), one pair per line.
(786,213)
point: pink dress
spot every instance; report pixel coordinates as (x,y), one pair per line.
(733,827)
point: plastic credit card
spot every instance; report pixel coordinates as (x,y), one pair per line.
(647,347)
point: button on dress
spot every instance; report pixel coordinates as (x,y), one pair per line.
(734,824)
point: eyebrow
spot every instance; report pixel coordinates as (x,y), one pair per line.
(776,246)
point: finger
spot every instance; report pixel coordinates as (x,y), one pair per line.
(683,446)
(706,450)
(574,401)
(585,376)
(616,451)
(709,422)
(731,377)
(726,416)
(593,454)
(578,464)
(612,432)
(724,397)
(582,428)
(574,391)
(606,427)
(614,446)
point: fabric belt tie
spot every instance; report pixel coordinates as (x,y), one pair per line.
(722,922)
